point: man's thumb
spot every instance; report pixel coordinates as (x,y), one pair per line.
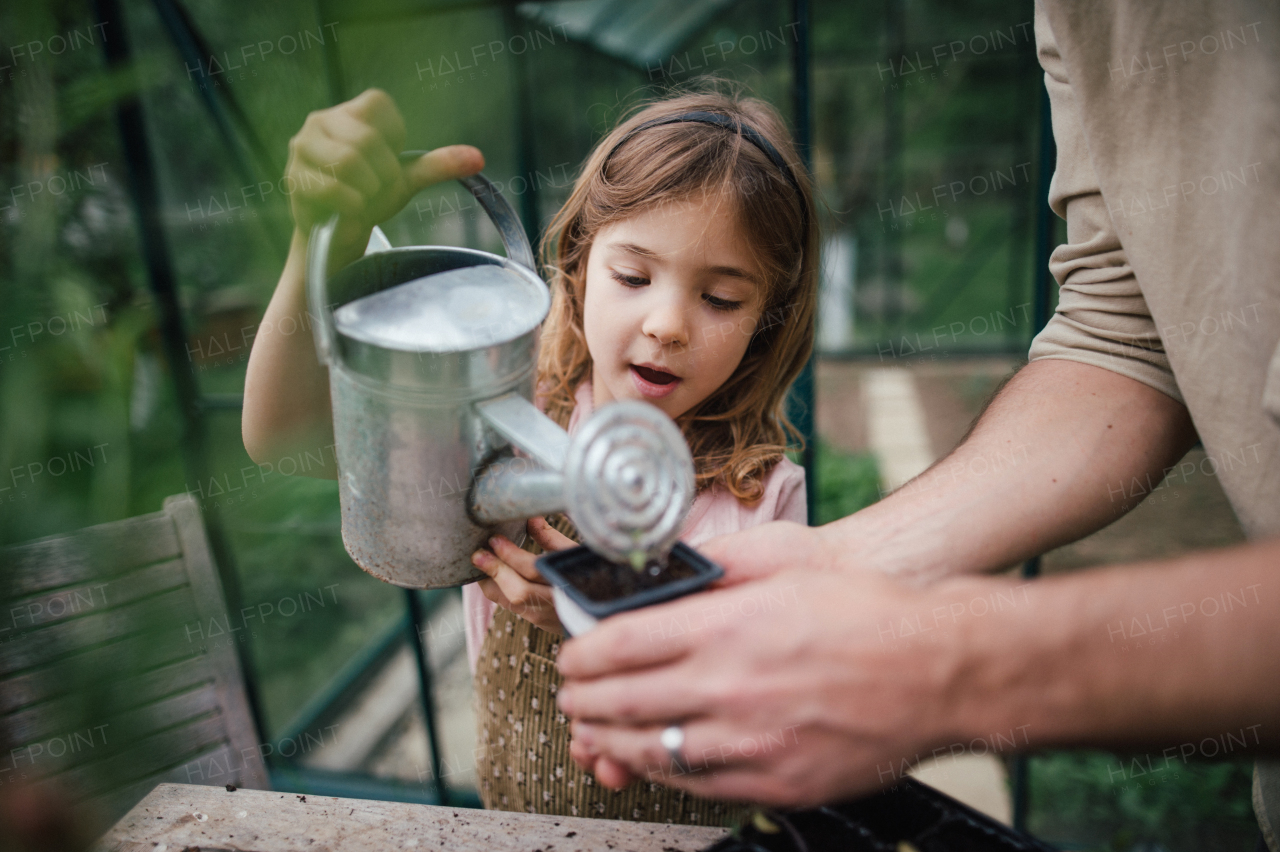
(725,551)
(447,163)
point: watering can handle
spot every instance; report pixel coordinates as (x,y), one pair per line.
(499,210)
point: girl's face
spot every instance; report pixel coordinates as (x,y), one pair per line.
(672,301)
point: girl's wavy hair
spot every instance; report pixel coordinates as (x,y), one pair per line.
(740,432)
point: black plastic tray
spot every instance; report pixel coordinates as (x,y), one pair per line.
(910,812)
(573,570)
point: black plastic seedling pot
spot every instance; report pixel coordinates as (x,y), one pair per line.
(909,815)
(587,587)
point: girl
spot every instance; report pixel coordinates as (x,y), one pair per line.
(683,273)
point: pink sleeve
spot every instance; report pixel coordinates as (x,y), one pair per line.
(477,614)
(718,512)
(791,504)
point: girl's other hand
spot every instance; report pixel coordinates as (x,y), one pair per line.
(514,582)
(345,159)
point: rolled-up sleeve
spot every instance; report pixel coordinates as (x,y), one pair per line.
(1102,318)
(1271,391)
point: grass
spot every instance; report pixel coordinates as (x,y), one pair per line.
(1107,803)
(847,482)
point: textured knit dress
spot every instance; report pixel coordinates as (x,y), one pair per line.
(524,762)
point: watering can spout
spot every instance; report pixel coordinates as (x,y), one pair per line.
(511,489)
(518,421)
(625,479)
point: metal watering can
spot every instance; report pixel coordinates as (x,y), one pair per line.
(431,354)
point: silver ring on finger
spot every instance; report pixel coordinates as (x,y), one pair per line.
(673,741)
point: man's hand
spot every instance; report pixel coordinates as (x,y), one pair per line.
(790,689)
(761,552)
(345,159)
(514,582)
(806,688)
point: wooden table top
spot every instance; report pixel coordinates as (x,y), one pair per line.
(177,817)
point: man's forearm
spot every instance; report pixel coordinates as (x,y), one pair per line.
(1144,657)
(1046,464)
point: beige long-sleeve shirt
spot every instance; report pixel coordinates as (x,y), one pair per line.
(1167,121)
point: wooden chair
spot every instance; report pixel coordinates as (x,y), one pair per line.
(117,664)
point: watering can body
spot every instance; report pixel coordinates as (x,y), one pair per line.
(408,438)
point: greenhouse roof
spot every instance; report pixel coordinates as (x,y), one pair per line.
(641,34)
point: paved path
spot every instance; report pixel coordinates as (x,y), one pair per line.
(899,438)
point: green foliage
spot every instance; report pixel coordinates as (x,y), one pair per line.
(846,482)
(1110,803)
(288,550)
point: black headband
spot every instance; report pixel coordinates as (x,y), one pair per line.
(747,132)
